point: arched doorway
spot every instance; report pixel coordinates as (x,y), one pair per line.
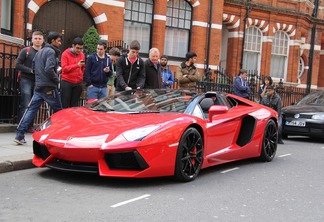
(63,16)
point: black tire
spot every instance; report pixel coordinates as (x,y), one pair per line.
(270,141)
(189,156)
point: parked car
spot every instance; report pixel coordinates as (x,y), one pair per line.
(305,118)
(151,133)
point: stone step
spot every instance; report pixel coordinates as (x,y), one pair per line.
(6,127)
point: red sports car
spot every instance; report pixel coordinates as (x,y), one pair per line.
(150,133)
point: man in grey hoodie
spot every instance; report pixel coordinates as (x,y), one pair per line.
(45,64)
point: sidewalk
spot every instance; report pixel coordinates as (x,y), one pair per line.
(12,156)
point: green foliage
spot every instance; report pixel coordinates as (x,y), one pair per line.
(90,39)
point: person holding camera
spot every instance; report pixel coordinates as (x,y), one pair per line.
(98,70)
(73,66)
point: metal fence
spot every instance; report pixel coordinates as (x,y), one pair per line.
(217,81)
(9,89)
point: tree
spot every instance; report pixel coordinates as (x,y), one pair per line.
(90,40)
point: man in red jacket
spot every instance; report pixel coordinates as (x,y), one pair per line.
(73,66)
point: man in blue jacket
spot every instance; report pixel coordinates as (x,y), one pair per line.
(166,73)
(98,69)
(241,87)
(46,83)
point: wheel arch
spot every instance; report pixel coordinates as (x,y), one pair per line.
(199,128)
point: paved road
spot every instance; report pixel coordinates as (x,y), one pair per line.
(288,189)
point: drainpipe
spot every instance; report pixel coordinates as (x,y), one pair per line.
(207,71)
(311,51)
(247,12)
(25,21)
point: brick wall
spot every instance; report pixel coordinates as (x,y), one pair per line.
(271,16)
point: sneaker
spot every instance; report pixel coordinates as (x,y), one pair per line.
(280,142)
(31,130)
(20,140)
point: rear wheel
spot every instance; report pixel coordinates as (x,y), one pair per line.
(270,140)
(189,156)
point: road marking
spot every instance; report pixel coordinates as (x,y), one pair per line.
(229,170)
(131,200)
(288,154)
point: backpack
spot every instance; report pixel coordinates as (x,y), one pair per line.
(19,72)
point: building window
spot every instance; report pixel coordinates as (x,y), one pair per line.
(252,48)
(138,22)
(178,27)
(279,55)
(301,69)
(6,17)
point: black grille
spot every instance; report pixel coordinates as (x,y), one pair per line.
(125,161)
(63,165)
(40,150)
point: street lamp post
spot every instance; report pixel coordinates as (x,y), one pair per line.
(247,12)
(311,51)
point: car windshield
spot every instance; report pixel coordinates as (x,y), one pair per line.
(313,99)
(141,101)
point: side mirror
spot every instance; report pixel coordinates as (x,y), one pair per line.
(216,110)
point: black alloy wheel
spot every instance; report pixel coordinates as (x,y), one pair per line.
(270,141)
(189,156)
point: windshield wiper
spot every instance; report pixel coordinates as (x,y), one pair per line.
(143,111)
(102,109)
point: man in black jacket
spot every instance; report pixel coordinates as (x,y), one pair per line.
(47,80)
(27,76)
(152,70)
(273,100)
(130,71)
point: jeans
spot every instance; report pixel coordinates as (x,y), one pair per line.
(70,93)
(53,99)
(27,91)
(96,92)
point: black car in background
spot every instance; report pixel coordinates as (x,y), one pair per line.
(306,118)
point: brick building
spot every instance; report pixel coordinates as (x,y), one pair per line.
(281,38)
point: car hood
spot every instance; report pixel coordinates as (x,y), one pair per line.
(303,109)
(82,122)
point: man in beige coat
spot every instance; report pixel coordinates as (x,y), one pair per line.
(187,73)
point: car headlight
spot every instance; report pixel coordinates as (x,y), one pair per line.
(45,124)
(139,133)
(318,116)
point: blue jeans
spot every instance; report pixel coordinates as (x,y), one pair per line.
(53,100)
(27,92)
(96,93)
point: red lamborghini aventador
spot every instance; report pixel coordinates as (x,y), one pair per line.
(151,133)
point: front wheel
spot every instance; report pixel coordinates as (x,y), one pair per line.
(270,140)
(189,156)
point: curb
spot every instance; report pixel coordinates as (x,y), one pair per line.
(5,128)
(8,166)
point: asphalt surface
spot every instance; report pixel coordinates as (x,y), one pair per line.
(13,156)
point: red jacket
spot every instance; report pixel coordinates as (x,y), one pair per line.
(71,72)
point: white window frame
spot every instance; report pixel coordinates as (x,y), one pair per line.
(138,21)
(7,16)
(301,69)
(279,52)
(252,49)
(178,28)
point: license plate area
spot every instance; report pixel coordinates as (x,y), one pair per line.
(296,123)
